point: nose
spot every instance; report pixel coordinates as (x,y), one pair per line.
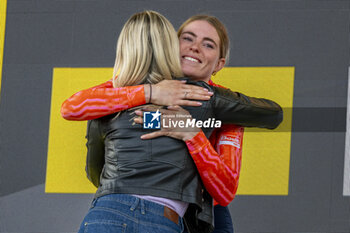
(195,47)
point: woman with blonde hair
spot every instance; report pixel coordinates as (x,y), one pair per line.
(150,56)
(148,185)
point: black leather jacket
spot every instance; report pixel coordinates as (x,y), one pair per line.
(162,166)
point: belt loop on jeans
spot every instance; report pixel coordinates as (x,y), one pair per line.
(133,207)
(143,206)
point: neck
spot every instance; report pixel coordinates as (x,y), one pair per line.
(200,79)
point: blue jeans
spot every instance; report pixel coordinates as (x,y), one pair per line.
(122,213)
(222,220)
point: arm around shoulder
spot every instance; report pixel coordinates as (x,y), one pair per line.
(237,108)
(101,100)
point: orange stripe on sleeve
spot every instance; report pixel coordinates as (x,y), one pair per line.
(101,100)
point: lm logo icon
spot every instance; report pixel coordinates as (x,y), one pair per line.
(151,120)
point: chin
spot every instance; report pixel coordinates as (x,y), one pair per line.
(190,73)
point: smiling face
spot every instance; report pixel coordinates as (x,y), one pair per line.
(200,50)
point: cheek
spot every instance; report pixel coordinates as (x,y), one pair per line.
(213,60)
(211,56)
(182,48)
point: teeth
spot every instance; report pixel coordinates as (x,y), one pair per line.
(191,59)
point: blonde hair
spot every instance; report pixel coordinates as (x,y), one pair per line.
(220,29)
(147,51)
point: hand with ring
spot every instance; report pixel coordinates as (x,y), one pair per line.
(175,92)
(185,94)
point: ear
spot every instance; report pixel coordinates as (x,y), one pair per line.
(220,64)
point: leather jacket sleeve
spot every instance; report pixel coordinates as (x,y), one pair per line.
(236,108)
(95,159)
(103,100)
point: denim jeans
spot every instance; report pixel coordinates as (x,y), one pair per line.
(222,220)
(122,213)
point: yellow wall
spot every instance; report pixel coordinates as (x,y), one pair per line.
(2,34)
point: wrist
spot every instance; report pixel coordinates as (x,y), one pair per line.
(148,92)
(190,135)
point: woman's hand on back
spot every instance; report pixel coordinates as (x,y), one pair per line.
(174,118)
(175,92)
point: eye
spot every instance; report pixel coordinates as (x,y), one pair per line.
(187,38)
(208,45)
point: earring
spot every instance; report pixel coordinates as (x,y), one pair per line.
(214,73)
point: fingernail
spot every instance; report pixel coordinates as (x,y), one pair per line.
(199,103)
(211,93)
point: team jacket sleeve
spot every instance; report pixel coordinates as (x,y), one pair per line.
(95,159)
(219,170)
(101,100)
